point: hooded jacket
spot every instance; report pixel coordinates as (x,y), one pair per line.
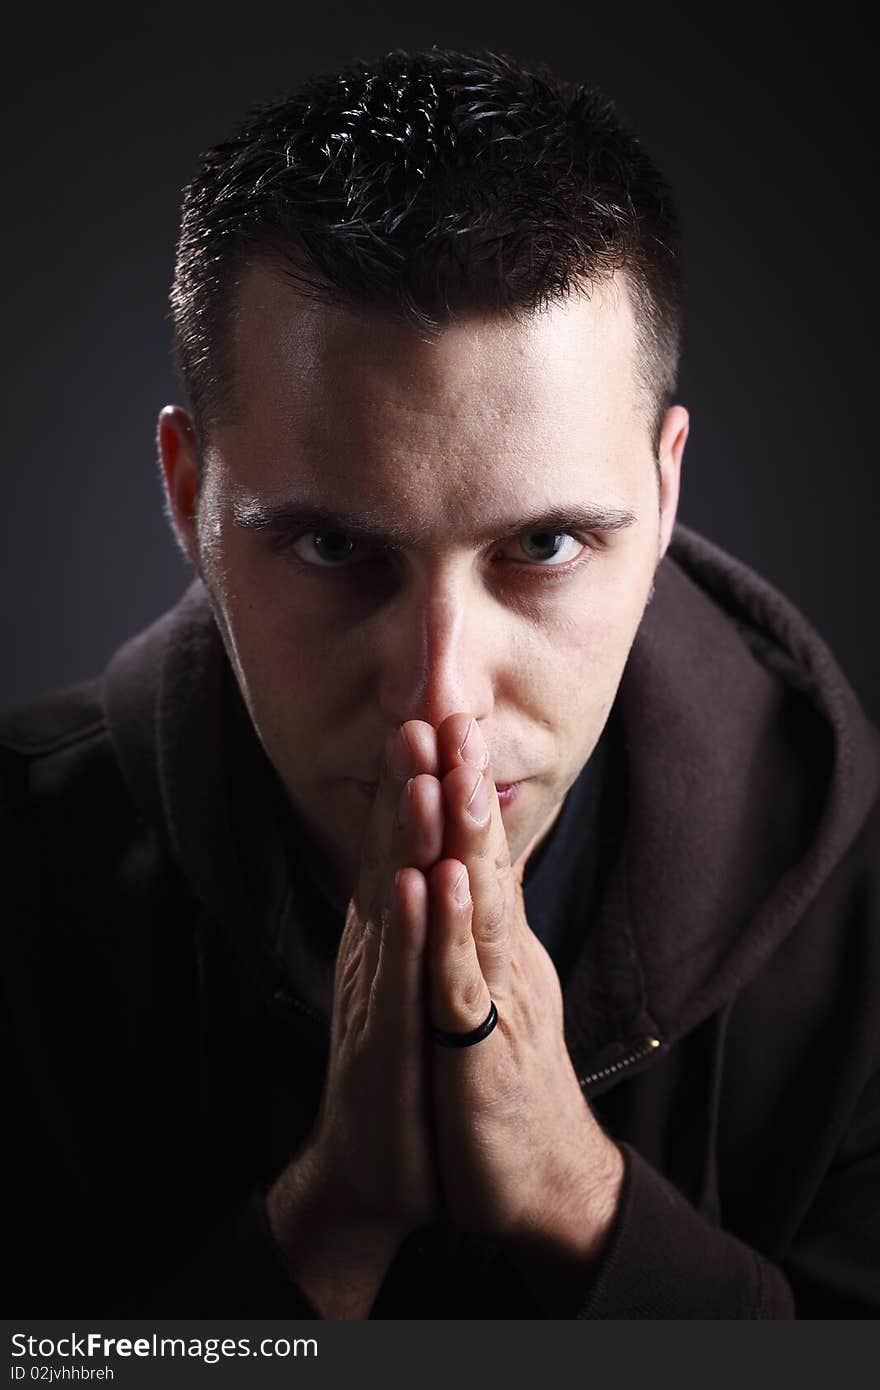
(722,1013)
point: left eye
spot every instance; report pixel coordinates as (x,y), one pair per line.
(549,547)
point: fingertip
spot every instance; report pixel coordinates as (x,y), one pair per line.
(449,884)
(422,740)
(408,883)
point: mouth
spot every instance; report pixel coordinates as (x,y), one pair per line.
(507,793)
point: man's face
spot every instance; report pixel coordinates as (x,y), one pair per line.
(442,576)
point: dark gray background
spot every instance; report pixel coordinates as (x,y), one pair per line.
(760,118)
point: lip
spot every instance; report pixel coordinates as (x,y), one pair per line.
(507,793)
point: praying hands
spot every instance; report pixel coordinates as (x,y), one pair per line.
(450,1093)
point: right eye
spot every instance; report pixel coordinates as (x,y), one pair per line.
(325,549)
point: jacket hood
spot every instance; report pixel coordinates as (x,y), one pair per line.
(750,769)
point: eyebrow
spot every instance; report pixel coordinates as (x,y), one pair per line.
(286,518)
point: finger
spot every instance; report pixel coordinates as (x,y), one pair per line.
(418,829)
(416,843)
(474,834)
(460,744)
(409,751)
(397,993)
(459,997)
(460,740)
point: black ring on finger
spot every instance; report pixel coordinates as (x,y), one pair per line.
(466,1039)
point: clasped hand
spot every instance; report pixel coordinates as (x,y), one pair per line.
(497,1137)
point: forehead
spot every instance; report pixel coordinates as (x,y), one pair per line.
(347,405)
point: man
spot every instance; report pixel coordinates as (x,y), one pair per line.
(464,902)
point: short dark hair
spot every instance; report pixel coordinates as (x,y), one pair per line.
(426,186)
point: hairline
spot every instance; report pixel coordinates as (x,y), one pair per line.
(222,410)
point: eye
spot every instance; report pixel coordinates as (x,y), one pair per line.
(325,549)
(337,550)
(549,548)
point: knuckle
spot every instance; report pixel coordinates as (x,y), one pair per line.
(378,931)
(372,928)
(348,965)
(494,861)
(474,998)
(492,925)
(459,1000)
(449,1015)
(461,945)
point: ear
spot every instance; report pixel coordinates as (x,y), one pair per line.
(179,460)
(673,437)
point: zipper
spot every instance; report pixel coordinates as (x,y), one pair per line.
(287,1001)
(644,1049)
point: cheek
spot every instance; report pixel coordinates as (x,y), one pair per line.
(571,666)
(262,602)
(600,625)
(294,663)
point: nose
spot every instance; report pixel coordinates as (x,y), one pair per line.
(437,645)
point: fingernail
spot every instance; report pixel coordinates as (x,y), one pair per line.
(473,747)
(461,892)
(478,806)
(398,755)
(404,805)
